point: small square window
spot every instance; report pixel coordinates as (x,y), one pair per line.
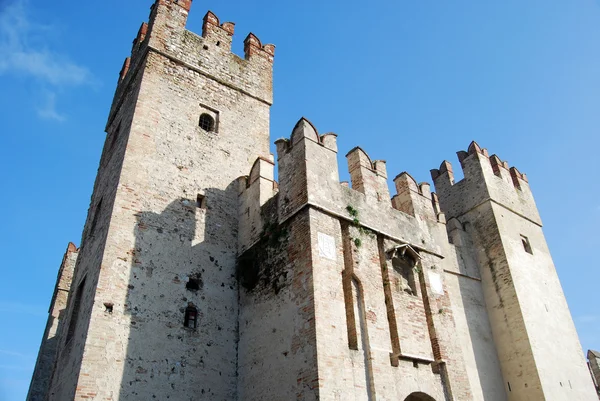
(526,244)
(208,119)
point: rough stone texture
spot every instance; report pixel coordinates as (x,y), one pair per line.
(594,365)
(530,320)
(46,360)
(307,289)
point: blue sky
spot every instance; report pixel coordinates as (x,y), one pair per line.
(411,82)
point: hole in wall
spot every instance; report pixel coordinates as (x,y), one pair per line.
(218,43)
(193,284)
(108,307)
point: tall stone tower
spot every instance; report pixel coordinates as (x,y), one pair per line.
(159,246)
(493,219)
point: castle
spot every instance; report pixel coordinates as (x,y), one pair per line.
(199,277)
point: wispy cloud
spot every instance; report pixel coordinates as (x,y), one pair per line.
(48,109)
(25,52)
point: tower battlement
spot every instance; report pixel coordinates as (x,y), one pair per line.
(485,178)
(209,54)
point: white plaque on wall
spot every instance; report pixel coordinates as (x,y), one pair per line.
(326,246)
(435,280)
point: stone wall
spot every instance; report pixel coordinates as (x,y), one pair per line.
(47,356)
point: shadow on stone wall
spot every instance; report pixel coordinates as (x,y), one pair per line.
(184,257)
(481,340)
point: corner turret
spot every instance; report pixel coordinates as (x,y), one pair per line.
(493,220)
(485,177)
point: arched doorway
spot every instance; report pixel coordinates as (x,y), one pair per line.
(419,397)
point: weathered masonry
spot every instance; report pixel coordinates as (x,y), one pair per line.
(201,278)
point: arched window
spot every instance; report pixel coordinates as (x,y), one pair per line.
(418,396)
(191,317)
(207,123)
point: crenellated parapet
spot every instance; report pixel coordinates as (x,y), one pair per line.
(208,54)
(216,33)
(254,48)
(307,165)
(485,178)
(368,177)
(416,199)
(308,176)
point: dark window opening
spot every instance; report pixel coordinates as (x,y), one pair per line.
(193,284)
(201,201)
(526,244)
(207,123)
(191,317)
(218,43)
(75,310)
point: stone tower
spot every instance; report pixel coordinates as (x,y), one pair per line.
(201,278)
(188,118)
(493,220)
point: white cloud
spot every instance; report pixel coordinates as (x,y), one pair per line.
(24,51)
(48,109)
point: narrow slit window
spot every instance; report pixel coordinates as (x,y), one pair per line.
(207,123)
(526,244)
(191,317)
(201,201)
